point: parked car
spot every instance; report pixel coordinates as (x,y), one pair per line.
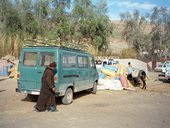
(76,70)
(161,67)
(167,70)
(101,63)
(164,66)
(158,68)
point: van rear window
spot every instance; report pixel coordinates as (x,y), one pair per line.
(46,58)
(30,58)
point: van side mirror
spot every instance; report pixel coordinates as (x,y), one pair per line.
(94,66)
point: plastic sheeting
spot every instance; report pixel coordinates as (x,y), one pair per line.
(109,84)
(113,77)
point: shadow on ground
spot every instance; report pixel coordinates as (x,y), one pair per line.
(34,98)
(2,91)
(164,80)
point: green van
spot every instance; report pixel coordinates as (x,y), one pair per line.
(76,70)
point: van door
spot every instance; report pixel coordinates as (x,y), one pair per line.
(69,73)
(28,70)
(83,71)
(45,58)
(93,71)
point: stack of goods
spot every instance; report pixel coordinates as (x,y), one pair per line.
(113,77)
(8,67)
(4,66)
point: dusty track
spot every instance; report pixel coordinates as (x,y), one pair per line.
(106,109)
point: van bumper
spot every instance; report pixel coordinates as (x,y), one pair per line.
(32,92)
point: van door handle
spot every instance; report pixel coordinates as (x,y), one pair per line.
(39,71)
(72,75)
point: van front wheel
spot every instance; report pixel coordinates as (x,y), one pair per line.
(68,97)
(94,89)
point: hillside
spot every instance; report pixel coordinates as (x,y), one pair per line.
(116,42)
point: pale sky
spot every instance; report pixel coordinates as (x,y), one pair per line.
(115,7)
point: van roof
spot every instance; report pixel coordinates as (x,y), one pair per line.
(56,47)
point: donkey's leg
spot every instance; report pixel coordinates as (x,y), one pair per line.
(144,83)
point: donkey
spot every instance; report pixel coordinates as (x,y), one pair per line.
(141,76)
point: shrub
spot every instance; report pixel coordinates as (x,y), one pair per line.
(128,53)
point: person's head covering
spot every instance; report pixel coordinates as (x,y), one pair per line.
(53,64)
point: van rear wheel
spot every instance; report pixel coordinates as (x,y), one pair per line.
(68,97)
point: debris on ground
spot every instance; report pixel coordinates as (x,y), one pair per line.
(8,67)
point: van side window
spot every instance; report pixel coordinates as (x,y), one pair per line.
(68,61)
(46,58)
(30,58)
(82,62)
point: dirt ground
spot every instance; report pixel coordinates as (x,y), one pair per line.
(106,109)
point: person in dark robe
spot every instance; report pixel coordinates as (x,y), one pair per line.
(46,99)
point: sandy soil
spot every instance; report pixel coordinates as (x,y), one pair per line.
(106,109)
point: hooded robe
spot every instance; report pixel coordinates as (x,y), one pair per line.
(47,96)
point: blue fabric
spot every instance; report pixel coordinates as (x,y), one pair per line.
(5,71)
(102,75)
(112,68)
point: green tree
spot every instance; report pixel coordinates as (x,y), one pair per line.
(92,23)
(9,18)
(42,12)
(61,20)
(85,23)
(133,32)
(160,40)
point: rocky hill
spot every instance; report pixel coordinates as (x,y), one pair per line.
(117,43)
